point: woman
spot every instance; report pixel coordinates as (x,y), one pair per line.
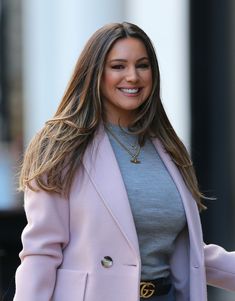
(111,196)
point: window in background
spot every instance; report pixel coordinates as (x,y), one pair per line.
(10,101)
(12,218)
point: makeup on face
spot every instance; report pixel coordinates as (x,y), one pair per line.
(126,81)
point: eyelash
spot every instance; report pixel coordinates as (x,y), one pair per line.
(117,67)
(141,66)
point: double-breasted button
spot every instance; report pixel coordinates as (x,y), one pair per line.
(107,262)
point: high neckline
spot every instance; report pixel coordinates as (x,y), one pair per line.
(120,129)
(114,125)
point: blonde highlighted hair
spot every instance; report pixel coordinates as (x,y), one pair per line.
(55,153)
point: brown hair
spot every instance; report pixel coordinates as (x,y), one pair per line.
(55,153)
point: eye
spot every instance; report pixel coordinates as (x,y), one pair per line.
(118,67)
(143,66)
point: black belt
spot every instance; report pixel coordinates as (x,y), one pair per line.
(158,287)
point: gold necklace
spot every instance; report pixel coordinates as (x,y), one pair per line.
(134,156)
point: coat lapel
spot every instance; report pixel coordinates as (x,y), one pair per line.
(101,165)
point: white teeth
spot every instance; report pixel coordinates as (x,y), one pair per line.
(130,91)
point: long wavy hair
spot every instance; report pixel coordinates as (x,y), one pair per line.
(55,153)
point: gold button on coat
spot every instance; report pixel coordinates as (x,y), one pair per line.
(107,262)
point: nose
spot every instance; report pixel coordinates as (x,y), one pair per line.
(132,75)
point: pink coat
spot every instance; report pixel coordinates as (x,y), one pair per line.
(66,241)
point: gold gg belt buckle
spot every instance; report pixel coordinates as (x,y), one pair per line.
(147,289)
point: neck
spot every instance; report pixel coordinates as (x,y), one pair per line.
(122,121)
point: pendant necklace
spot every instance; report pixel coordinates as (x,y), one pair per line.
(134,155)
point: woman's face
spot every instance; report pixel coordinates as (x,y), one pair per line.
(126,81)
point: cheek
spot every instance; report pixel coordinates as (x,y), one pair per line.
(112,78)
(150,77)
(150,80)
(147,77)
(107,86)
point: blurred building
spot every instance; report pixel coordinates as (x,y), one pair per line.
(39,44)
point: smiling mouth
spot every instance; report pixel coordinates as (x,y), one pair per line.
(130,90)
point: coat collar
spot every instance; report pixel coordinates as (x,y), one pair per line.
(100,163)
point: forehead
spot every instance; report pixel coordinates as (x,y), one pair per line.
(127,48)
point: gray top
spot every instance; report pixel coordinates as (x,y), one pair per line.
(155,202)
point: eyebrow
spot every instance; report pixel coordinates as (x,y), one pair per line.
(124,60)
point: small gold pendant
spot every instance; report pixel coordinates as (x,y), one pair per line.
(135,161)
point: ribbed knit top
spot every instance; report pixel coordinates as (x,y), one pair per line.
(156,204)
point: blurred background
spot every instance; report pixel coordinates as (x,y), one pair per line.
(40,42)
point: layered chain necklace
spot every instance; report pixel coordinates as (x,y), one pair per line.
(132,149)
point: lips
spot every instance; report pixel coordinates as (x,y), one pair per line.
(131,91)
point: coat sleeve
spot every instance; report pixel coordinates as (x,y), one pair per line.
(220,267)
(43,239)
